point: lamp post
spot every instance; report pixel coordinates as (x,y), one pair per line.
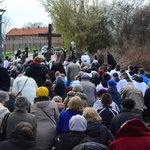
(1,14)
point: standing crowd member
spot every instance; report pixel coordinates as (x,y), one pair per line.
(3,110)
(46,114)
(85,58)
(75,106)
(132,92)
(88,89)
(135,133)
(76,135)
(26,85)
(124,115)
(95,128)
(77,90)
(111,60)
(36,71)
(20,114)
(47,55)
(115,95)
(106,112)
(71,71)
(22,137)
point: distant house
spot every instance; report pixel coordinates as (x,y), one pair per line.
(21,37)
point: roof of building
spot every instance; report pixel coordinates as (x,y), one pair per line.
(27,31)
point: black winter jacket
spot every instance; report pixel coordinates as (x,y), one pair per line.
(18,141)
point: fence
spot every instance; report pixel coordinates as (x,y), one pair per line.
(11,48)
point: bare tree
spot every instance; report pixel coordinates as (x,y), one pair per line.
(35,24)
(6,26)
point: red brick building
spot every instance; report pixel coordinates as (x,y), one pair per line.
(21,37)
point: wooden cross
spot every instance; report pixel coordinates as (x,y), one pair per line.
(49,35)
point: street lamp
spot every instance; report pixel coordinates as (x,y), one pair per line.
(1,14)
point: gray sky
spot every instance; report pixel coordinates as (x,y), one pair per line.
(23,11)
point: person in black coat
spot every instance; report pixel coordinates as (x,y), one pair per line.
(147,101)
(36,71)
(77,126)
(90,146)
(124,115)
(21,139)
(95,129)
(4,79)
(111,60)
(57,66)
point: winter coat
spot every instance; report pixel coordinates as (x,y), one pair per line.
(69,141)
(57,66)
(90,146)
(116,97)
(147,98)
(71,71)
(46,113)
(29,90)
(111,60)
(17,117)
(63,121)
(3,112)
(18,141)
(107,114)
(135,133)
(98,105)
(89,90)
(145,78)
(37,72)
(130,91)
(99,133)
(138,82)
(123,116)
(60,88)
(47,55)
(4,79)
(71,94)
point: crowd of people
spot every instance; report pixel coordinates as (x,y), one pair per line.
(73,104)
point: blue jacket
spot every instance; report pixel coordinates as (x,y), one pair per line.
(116,97)
(62,126)
(145,79)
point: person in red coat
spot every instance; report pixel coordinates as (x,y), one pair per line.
(133,135)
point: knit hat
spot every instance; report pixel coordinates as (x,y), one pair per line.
(77,87)
(101,92)
(77,123)
(101,72)
(112,83)
(85,76)
(42,91)
(21,103)
(128,103)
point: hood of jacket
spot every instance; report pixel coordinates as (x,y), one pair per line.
(112,90)
(138,79)
(81,95)
(36,65)
(94,128)
(133,128)
(42,104)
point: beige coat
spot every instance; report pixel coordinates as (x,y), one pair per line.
(46,128)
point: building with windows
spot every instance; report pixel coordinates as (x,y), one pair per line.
(21,37)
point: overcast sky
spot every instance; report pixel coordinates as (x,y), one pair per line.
(23,11)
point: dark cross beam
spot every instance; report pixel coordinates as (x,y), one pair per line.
(49,35)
